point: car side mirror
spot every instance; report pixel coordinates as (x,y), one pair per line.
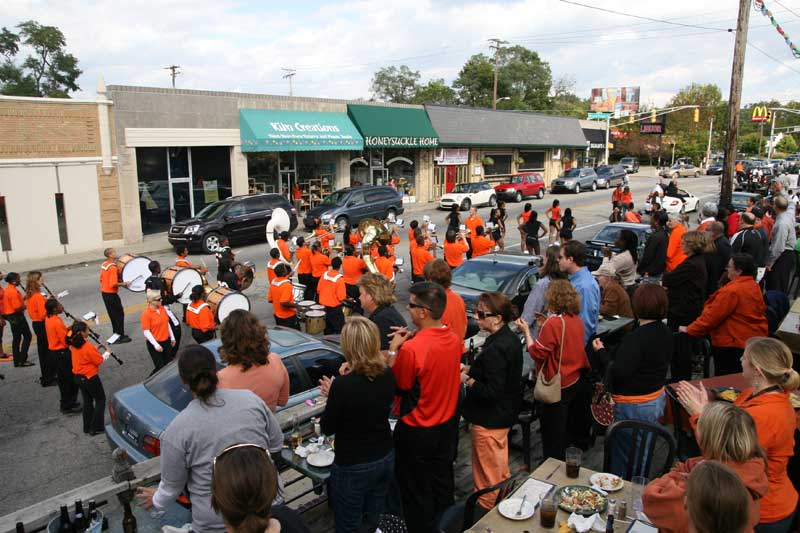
(226,218)
(351,203)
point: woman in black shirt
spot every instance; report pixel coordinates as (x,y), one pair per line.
(534,230)
(567,226)
(498,219)
(357,411)
(453,218)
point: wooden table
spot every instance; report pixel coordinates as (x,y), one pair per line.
(551,471)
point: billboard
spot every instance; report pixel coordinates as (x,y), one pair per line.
(652,128)
(618,100)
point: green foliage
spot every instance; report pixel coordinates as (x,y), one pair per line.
(395,84)
(475,82)
(748,144)
(787,145)
(525,76)
(435,92)
(48,71)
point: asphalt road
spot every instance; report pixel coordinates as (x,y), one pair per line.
(44,453)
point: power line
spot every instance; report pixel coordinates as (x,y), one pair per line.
(290,73)
(173,72)
(775,59)
(787,9)
(662,21)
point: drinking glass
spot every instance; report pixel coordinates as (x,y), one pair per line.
(635,506)
(548,508)
(573,457)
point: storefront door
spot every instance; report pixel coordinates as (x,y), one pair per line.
(380,176)
(181,199)
(450,178)
(287,181)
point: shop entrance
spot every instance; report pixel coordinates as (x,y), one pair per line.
(180,198)
(450,178)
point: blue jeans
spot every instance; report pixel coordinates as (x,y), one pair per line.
(360,489)
(781,526)
(648,412)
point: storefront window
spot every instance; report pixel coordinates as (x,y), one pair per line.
(262,172)
(533,160)
(154,208)
(401,165)
(211,175)
(178,162)
(499,164)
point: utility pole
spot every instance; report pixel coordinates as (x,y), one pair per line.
(771,146)
(290,72)
(173,72)
(496,45)
(608,129)
(708,148)
(734,101)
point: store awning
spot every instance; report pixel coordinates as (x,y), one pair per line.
(596,138)
(272,130)
(393,127)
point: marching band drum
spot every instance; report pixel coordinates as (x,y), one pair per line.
(223,301)
(134,269)
(180,280)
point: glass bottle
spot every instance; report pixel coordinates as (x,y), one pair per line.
(64,523)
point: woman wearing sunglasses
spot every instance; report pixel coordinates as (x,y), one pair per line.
(155,326)
(214,420)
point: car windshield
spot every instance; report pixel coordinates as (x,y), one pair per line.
(484,275)
(604,170)
(212,211)
(338,198)
(609,234)
(677,166)
(626,160)
(739,201)
(462,188)
(518,179)
(573,173)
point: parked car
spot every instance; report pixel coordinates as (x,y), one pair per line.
(686,202)
(715,169)
(792,164)
(467,195)
(606,237)
(353,204)
(521,186)
(739,200)
(611,176)
(681,170)
(239,218)
(630,164)
(576,180)
(140,413)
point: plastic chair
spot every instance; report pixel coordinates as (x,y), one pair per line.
(462,515)
(796,278)
(643,438)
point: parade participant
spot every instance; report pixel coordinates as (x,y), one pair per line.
(3,356)
(362,471)
(453,218)
(420,256)
(303,254)
(616,197)
(332,293)
(730,316)
(319,265)
(675,255)
(631,215)
(553,214)
(251,365)
(624,261)
(455,312)
(86,361)
(534,230)
(155,326)
(385,263)
(455,246)
(717,261)
(283,247)
(297,198)
(426,366)
(493,389)
(780,259)
(616,215)
(614,300)
(14,309)
(226,275)
(748,240)
(376,296)
(34,302)
(199,316)
(214,420)
(481,244)
(275,260)
(497,217)
(352,269)
(353,237)
(282,297)
(568,225)
(182,261)
(535,303)
(522,220)
(572,261)
(57,344)
(224,251)
(109,288)
(156,283)
(323,235)
(627,198)
(654,258)
(472,222)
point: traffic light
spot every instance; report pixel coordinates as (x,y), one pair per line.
(653,116)
(696,115)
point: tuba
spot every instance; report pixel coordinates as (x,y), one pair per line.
(372,231)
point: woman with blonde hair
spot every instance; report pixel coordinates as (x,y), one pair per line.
(251,365)
(357,411)
(34,302)
(767,365)
(727,434)
(155,327)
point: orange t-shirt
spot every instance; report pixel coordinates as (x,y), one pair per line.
(324,237)
(56,333)
(182,262)
(411,236)
(280,290)
(526,215)
(319,264)
(352,269)
(35,305)
(385,266)
(12,300)
(86,360)
(109,277)
(420,256)
(617,195)
(481,245)
(455,314)
(627,198)
(331,289)
(269,382)
(454,252)
(304,256)
(555,213)
(199,316)
(473,222)
(271,269)
(353,239)
(157,322)
(283,246)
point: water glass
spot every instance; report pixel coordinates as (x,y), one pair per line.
(635,505)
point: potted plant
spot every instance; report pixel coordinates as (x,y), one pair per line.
(519,160)
(487,161)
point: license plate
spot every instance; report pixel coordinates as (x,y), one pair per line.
(131,434)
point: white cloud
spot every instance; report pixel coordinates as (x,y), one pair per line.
(336,46)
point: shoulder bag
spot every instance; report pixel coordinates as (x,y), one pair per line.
(549,392)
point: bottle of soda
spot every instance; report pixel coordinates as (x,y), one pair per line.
(128,521)
(610,524)
(20,527)
(64,523)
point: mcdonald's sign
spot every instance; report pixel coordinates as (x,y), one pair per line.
(761,114)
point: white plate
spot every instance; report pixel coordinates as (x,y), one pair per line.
(595,479)
(321,459)
(509,508)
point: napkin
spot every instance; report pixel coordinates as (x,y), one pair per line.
(301,451)
(581,524)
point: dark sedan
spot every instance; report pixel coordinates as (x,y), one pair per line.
(715,169)
(606,237)
(140,413)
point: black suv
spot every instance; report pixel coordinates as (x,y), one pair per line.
(353,204)
(240,218)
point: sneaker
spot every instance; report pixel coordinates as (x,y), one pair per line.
(123,339)
(186,528)
(26,363)
(72,410)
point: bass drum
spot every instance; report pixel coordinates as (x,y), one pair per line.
(246,272)
(223,301)
(134,269)
(182,283)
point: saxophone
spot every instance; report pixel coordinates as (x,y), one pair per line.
(372,231)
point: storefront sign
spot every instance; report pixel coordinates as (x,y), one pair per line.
(280,130)
(403,142)
(452,156)
(210,191)
(556,154)
(761,114)
(652,128)
(597,146)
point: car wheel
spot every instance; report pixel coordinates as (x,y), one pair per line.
(696,174)
(577,188)
(391,214)
(211,242)
(341,223)
(541,193)
(492,200)
(594,186)
(466,204)
(518,197)
(608,184)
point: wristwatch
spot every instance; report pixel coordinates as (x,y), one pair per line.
(391,353)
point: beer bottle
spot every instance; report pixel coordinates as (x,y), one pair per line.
(79,522)
(128,521)
(610,524)
(64,523)
(20,527)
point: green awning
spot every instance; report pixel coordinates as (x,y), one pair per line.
(393,127)
(272,130)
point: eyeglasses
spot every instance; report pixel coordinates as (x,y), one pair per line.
(417,306)
(484,314)
(233,447)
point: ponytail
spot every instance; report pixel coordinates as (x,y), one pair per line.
(198,369)
(74,334)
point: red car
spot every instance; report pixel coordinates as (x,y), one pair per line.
(521,186)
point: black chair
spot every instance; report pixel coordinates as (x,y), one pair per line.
(643,438)
(462,515)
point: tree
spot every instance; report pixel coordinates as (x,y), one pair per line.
(564,101)
(787,145)
(395,85)
(48,71)
(749,144)
(435,92)
(691,138)
(475,82)
(525,76)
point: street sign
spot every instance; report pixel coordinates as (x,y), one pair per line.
(652,128)
(604,116)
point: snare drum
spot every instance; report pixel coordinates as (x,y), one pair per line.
(303,307)
(223,301)
(134,269)
(317,307)
(180,281)
(246,272)
(298,292)
(315,322)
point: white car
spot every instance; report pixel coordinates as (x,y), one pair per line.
(466,195)
(674,205)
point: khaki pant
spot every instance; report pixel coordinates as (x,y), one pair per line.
(489,460)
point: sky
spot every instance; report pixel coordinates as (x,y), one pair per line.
(335,47)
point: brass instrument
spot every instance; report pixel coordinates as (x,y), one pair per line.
(372,231)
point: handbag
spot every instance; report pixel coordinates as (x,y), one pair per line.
(549,392)
(602,405)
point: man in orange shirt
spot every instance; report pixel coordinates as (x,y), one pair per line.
(324,235)
(472,222)
(631,215)
(14,309)
(283,247)
(455,312)
(455,246)
(109,288)
(419,258)
(616,197)
(352,269)
(297,198)
(319,264)
(280,294)
(481,244)
(675,255)
(182,261)
(275,260)
(304,268)
(385,263)
(332,293)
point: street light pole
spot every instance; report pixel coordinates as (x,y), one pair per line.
(708,148)
(608,128)
(771,141)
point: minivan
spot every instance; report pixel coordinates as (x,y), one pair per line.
(353,204)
